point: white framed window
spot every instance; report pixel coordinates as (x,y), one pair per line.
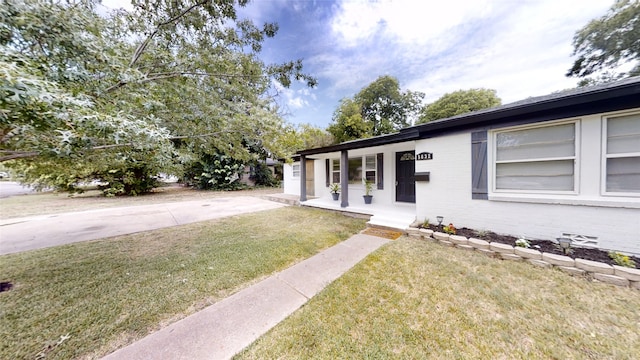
(356,169)
(335,171)
(621,155)
(296,170)
(536,159)
(370,168)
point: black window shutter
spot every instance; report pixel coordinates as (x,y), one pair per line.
(479,189)
(327,178)
(380,171)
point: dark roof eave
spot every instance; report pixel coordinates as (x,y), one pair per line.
(578,97)
(405,135)
(519,109)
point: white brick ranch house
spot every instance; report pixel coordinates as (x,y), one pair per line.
(563,164)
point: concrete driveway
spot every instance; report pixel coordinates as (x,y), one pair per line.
(36,232)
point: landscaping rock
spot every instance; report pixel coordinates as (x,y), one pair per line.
(465,247)
(478,244)
(594,266)
(611,279)
(426,233)
(558,260)
(627,273)
(572,270)
(512,257)
(458,240)
(635,285)
(445,243)
(539,263)
(440,236)
(414,232)
(501,248)
(528,253)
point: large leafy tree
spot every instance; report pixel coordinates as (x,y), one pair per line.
(459,102)
(607,42)
(385,107)
(87,96)
(379,108)
(348,123)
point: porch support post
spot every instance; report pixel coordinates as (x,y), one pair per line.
(344,178)
(303,178)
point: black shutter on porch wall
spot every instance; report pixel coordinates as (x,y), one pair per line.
(479,188)
(326,172)
(379,170)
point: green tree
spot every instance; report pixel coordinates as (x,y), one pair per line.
(459,102)
(385,107)
(607,42)
(348,123)
(84,95)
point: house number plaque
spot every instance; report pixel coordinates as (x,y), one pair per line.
(424,156)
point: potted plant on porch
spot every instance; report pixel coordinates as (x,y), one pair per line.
(335,190)
(368,186)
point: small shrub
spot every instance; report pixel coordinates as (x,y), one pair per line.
(425,223)
(621,259)
(449,229)
(522,242)
(480,234)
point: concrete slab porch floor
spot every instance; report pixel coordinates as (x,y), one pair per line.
(223,329)
(398,216)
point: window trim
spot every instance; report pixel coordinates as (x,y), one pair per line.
(363,159)
(492,156)
(604,156)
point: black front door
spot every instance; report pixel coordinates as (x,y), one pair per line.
(405,176)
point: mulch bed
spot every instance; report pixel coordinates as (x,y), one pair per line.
(540,245)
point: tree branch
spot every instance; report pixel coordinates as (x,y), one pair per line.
(168,75)
(12,155)
(142,47)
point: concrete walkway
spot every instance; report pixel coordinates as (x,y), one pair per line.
(36,232)
(222,330)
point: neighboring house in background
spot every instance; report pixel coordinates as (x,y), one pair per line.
(563,164)
(245,177)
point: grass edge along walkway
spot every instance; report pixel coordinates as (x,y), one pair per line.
(88,299)
(414,299)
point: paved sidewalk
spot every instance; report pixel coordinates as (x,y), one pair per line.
(36,232)
(222,330)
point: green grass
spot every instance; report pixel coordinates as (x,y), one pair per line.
(418,300)
(106,294)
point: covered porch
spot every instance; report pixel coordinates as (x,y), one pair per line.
(399,216)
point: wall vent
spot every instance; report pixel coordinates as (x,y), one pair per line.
(582,240)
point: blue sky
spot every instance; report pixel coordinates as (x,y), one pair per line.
(521,48)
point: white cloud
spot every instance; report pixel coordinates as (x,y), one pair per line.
(404,21)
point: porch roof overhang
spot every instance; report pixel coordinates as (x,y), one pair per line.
(619,95)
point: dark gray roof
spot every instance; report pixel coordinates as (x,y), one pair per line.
(613,96)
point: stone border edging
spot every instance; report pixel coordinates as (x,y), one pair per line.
(610,274)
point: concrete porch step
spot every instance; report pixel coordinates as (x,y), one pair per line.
(391,221)
(293,200)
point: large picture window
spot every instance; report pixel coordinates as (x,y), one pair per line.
(539,158)
(622,155)
(356,169)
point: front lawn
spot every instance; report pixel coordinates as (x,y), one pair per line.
(414,299)
(88,299)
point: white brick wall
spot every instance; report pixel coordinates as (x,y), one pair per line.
(448,194)
(291,184)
